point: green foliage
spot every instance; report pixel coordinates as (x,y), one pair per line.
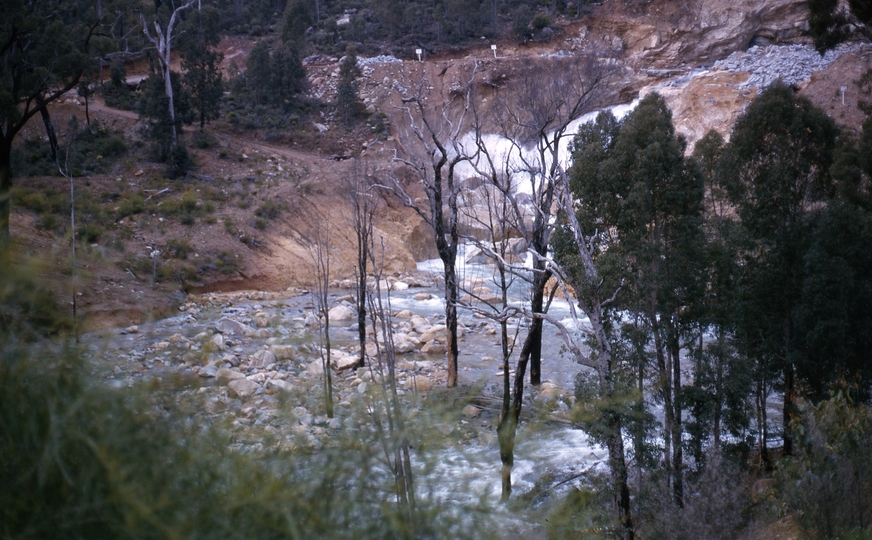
(82,461)
(92,150)
(29,310)
(347,98)
(775,171)
(179,161)
(225,262)
(830,25)
(179,248)
(154,108)
(116,94)
(829,483)
(258,74)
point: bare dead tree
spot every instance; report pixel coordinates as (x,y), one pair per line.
(364,203)
(488,209)
(66,173)
(163,41)
(318,244)
(432,148)
(391,426)
(535,118)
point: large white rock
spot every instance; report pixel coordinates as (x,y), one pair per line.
(315,368)
(278,384)
(261,359)
(433,347)
(226,325)
(404,344)
(343,360)
(243,387)
(438,332)
(422,383)
(284,352)
(420,324)
(341,313)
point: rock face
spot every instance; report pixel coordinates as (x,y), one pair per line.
(420,243)
(698,31)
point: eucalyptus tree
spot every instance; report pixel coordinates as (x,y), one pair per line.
(776,171)
(44,50)
(165,21)
(634,186)
(200,62)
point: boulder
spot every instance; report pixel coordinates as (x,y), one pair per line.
(261,333)
(226,325)
(420,297)
(208,372)
(438,332)
(284,352)
(404,344)
(341,313)
(231,359)
(470,411)
(218,340)
(343,361)
(422,383)
(315,369)
(476,255)
(279,385)
(243,387)
(261,359)
(433,347)
(405,314)
(420,242)
(420,324)
(225,376)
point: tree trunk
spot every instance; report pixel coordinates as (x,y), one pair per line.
(677,450)
(49,130)
(507,426)
(665,384)
(537,303)
(328,375)
(719,383)
(5,188)
(788,408)
(451,318)
(168,89)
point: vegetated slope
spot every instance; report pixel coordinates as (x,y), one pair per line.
(238,222)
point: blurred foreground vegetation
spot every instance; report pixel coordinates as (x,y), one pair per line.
(81,460)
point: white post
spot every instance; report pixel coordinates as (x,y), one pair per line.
(494,49)
(843,89)
(419,52)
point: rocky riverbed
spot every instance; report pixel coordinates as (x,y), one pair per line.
(250,362)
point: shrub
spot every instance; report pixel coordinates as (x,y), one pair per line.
(90,232)
(179,248)
(829,482)
(179,162)
(130,205)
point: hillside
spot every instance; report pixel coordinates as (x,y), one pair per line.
(254,192)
